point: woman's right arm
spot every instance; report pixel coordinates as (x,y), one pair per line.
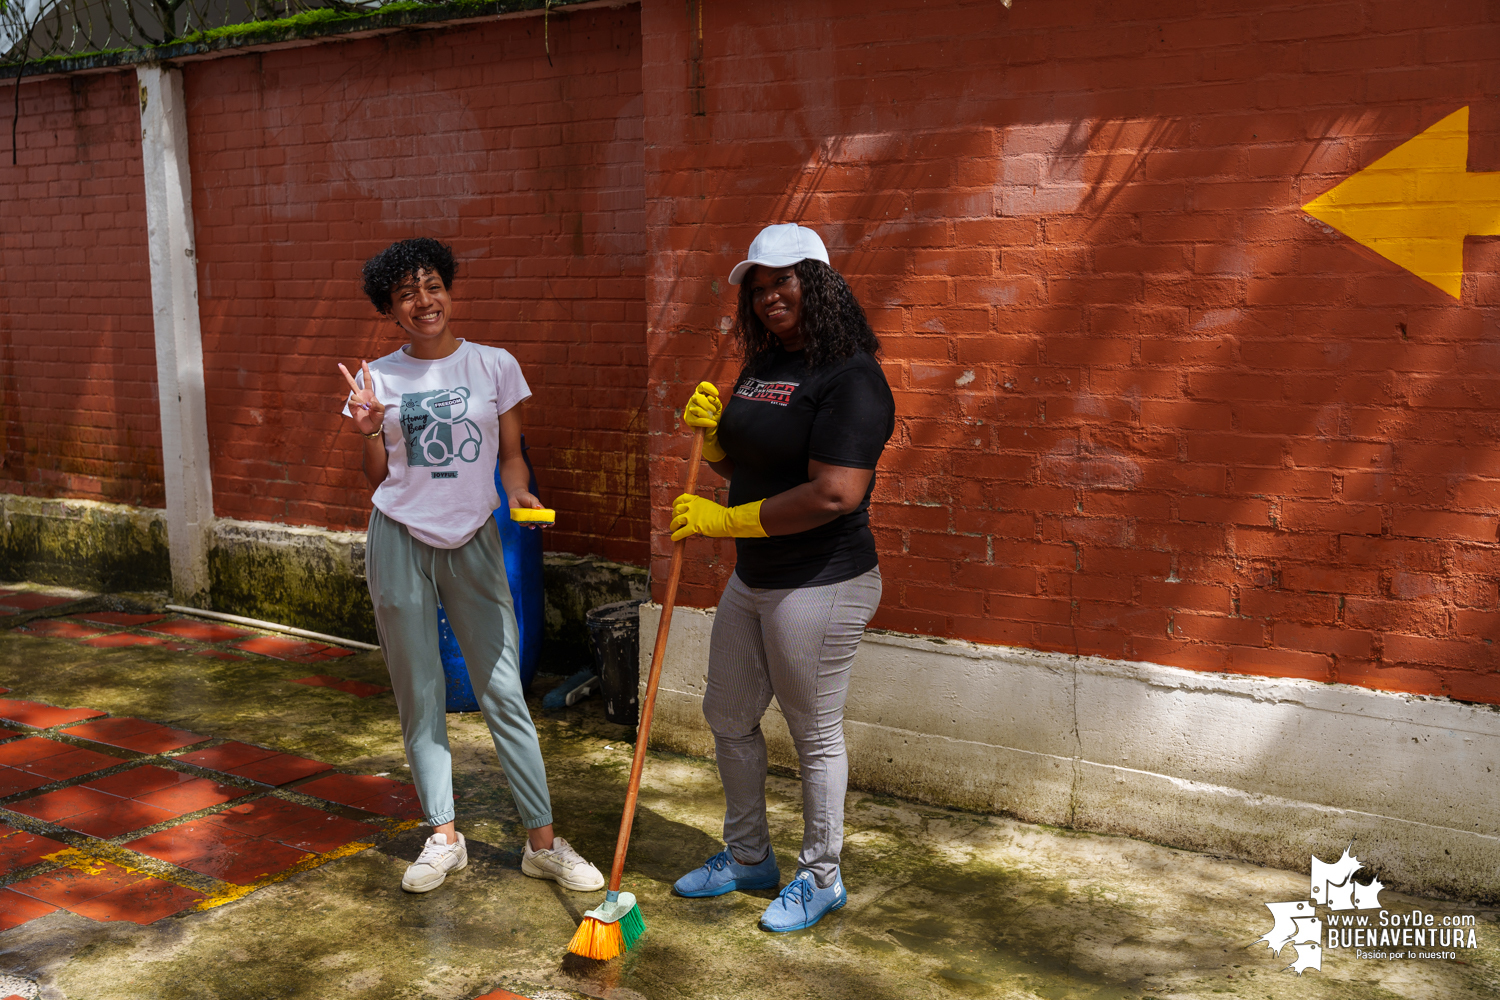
(367,413)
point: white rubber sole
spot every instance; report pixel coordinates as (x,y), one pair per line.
(536,871)
(443,877)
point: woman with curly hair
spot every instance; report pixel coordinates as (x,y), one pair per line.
(799,440)
(436,415)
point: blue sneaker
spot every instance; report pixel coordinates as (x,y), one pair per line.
(721,874)
(802,904)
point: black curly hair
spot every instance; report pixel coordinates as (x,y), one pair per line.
(833,322)
(402,260)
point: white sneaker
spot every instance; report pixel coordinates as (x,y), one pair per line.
(563,865)
(432,866)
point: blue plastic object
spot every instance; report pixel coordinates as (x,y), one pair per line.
(523,570)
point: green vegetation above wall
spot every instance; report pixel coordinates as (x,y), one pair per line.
(64,36)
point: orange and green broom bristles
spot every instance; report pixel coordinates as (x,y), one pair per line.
(610,930)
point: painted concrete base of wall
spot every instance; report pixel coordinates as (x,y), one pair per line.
(81,543)
(314,578)
(308,577)
(1268,770)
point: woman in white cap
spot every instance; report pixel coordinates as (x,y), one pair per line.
(798,441)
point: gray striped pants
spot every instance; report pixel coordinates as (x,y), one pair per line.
(797,644)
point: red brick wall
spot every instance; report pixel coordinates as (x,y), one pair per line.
(78,407)
(1148,409)
(308,160)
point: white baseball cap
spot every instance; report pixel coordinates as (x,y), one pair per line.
(780,246)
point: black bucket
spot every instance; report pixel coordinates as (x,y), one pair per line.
(616,631)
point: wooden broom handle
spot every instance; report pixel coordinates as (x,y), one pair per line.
(643,727)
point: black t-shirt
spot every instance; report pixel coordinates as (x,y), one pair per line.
(774,424)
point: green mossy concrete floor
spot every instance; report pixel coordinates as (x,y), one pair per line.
(942,904)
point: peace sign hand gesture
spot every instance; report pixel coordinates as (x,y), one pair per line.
(367,412)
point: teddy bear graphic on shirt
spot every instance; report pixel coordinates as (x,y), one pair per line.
(436,428)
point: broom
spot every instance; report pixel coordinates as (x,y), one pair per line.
(614,927)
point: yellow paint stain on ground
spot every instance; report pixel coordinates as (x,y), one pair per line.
(225,892)
(230,893)
(1415,205)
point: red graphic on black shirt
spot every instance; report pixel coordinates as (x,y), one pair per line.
(779,393)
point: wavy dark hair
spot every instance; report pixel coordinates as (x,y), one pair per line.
(832,320)
(402,260)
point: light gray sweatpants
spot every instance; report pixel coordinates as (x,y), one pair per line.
(407,578)
(797,644)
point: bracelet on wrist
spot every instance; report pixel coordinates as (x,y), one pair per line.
(376,434)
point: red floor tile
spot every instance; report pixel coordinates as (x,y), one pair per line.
(139,781)
(500,995)
(190,796)
(119,817)
(323,834)
(291,824)
(164,739)
(56,629)
(16,909)
(122,639)
(8,734)
(36,748)
(67,887)
(322,655)
(143,902)
(116,618)
(65,802)
(201,838)
(367,792)
(102,730)
(43,716)
(222,757)
(280,769)
(185,628)
(69,765)
(34,602)
(263,817)
(359,689)
(18,849)
(278,648)
(13,781)
(401,804)
(263,858)
(135,734)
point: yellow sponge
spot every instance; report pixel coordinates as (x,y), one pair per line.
(531,515)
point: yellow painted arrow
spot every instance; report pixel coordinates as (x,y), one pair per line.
(1415,204)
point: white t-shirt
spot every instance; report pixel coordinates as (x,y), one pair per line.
(442,438)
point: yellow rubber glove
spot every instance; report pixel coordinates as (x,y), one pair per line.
(693,515)
(703,410)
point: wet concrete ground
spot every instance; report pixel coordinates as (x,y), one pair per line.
(942,903)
